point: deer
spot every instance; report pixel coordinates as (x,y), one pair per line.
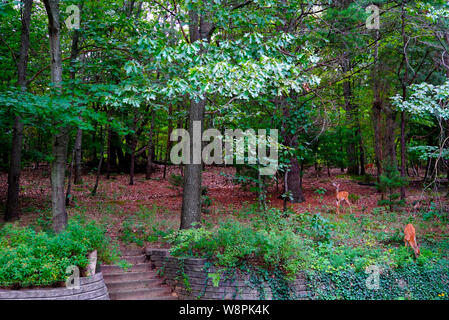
(341,196)
(410,238)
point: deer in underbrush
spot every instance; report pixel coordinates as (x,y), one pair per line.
(410,238)
(341,196)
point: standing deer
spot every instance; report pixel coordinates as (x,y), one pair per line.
(410,237)
(341,196)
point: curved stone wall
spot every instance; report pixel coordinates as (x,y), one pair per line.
(190,278)
(91,288)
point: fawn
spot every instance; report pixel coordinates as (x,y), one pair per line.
(341,196)
(410,237)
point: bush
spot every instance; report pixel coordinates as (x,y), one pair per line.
(232,243)
(435,212)
(390,180)
(31,258)
(314,226)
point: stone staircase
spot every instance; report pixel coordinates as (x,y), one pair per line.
(139,282)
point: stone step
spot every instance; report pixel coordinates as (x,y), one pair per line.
(135,259)
(132,251)
(133,284)
(141,294)
(129,276)
(139,267)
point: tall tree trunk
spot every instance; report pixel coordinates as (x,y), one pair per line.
(404,96)
(149,167)
(109,154)
(12,201)
(79,133)
(78,147)
(61,138)
(347,93)
(117,152)
(191,197)
(389,136)
(167,151)
(360,143)
(376,114)
(133,152)
(97,179)
(294,181)
(200,29)
(377,111)
(446,62)
(68,194)
(94,142)
(294,173)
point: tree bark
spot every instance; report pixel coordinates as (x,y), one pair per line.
(360,142)
(109,154)
(169,130)
(133,152)
(347,93)
(97,179)
(404,96)
(376,114)
(294,181)
(149,167)
(69,181)
(79,133)
(390,145)
(294,173)
(78,147)
(12,201)
(377,111)
(118,152)
(199,28)
(191,197)
(61,138)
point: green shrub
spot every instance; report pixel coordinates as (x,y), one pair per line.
(397,237)
(206,201)
(232,243)
(353,197)
(315,226)
(434,212)
(390,180)
(320,228)
(31,258)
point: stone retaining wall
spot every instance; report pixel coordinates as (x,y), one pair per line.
(189,278)
(91,288)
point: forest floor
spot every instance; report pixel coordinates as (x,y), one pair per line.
(158,204)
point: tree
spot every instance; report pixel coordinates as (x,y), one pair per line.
(12,202)
(61,138)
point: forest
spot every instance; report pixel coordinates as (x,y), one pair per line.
(119,121)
